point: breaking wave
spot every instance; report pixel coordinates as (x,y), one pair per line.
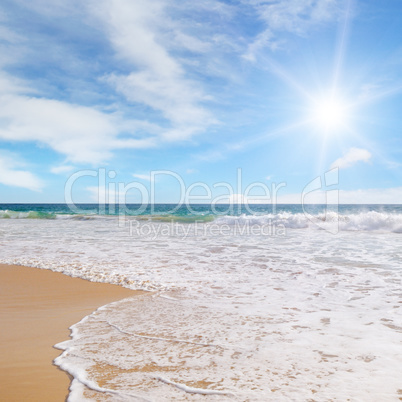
(363,221)
(9,214)
(358,221)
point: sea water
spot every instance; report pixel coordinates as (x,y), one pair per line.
(243,305)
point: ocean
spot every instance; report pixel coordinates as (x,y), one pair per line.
(243,303)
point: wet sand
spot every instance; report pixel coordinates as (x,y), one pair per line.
(36,309)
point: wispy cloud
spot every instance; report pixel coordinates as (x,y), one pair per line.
(62,169)
(295,16)
(292,16)
(9,36)
(151,68)
(11,175)
(84,133)
(158,80)
(146,177)
(154,65)
(263,40)
(351,157)
(12,85)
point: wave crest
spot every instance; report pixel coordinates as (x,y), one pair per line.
(363,221)
(9,214)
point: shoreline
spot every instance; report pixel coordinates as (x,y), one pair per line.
(37,307)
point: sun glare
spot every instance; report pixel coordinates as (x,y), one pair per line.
(329,114)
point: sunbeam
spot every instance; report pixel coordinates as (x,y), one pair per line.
(341,47)
(286,77)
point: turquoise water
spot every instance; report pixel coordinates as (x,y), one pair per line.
(386,218)
(183,213)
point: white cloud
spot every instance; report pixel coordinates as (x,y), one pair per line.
(154,40)
(136,30)
(191,43)
(132,28)
(351,157)
(293,16)
(146,177)
(175,98)
(142,35)
(83,134)
(12,85)
(62,169)
(372,196)
(10,176)
(264,39)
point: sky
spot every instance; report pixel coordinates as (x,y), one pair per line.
(133,100)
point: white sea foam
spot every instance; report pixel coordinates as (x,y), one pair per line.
(362,221)
(307,315)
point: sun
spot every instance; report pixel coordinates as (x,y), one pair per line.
(329,114)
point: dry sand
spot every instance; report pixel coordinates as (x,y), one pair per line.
(36,309)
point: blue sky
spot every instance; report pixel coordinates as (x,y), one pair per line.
(283,90)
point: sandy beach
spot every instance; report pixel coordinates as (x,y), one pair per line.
(36,309)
